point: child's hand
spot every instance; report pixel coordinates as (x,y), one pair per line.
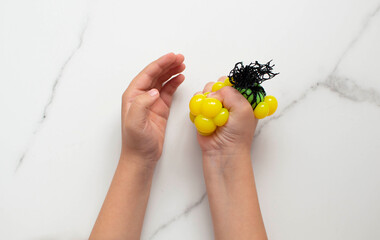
(235,137)
(228,170)
(146,105)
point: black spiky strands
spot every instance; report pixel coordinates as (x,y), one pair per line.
(247,79)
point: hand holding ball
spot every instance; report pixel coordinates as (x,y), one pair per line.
(208,113)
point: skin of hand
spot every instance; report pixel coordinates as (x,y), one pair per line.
(145,111)
(228,172)
(146,105)
(236,136)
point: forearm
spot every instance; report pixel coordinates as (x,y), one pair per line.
(123,210)
(232,196)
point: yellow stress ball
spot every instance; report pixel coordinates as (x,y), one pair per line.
(192,117)
(210,107)
(227,82)
(204,125)
(221,118)
(272,102)
(196,104)
(261,110)
(206,93)
(217,86)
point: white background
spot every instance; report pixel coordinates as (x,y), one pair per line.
(316,161)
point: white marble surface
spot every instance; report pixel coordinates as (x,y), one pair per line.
(64,65)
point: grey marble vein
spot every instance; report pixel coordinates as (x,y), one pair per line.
(60,73)
(182,214)
(357,37)
(54,89)
(288,107)
(348,89)
(343,86)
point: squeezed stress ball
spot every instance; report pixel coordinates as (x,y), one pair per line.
(208,113)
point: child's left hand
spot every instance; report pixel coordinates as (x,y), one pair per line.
(146,106)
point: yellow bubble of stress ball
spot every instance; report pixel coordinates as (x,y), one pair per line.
(210,107)
(204,125)
(261,110)
(227,82)
(221,118)
(192,117)
(196,104)
(272,103)
(217,86)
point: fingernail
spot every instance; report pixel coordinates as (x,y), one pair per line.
(153,92)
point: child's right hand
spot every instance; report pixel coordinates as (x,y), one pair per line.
(146,106)
(228,170)
(235,137)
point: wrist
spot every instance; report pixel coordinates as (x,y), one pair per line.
(139,150)
(225,162)
(137,162)
(229,150)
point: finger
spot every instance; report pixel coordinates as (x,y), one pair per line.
(231,99)
(165,75)
(148,76)
(171,72)
(169,89)
(140,107)
(157,67)
(198,93)
(208,87)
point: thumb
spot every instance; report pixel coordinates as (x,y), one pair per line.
(140,106)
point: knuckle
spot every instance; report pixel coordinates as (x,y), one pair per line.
(172,87)
(209,84)
(232,92)
(246,107)
(225,90)
(138,100)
